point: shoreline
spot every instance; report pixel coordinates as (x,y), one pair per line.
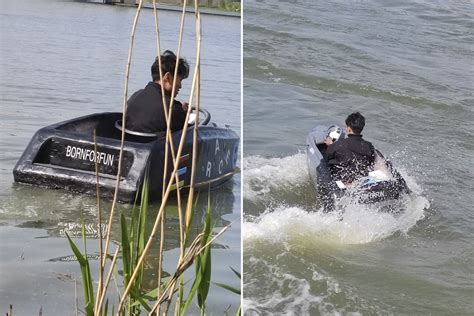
(175,8)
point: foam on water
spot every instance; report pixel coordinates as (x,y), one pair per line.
(309,293)
(356,224)
(276,240)
(300,300)
(264,174)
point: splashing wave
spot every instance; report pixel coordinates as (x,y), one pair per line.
(289,223)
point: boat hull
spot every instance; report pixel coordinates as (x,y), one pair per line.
(65,156)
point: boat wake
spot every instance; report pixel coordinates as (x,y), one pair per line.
(292,248)
(265,177)
(287,220)
(295,285)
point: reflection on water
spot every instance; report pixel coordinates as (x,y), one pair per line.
(54,223)
(71,221)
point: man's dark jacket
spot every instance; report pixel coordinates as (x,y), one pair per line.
(350,158)
(145,111)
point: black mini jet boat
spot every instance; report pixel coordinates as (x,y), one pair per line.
(63,156)
(383,184)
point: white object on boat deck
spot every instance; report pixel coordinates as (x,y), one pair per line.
(340,184)
(192,118)
(378,175)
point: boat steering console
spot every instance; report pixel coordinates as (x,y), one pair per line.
(192,118)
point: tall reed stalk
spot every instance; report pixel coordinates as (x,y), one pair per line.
(133,235)
(136,241)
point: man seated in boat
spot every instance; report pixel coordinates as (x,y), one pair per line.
(145,111)
(352,157)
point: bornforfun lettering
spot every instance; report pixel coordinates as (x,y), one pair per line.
(90,155)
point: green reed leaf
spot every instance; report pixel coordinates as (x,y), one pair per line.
(125,250)
(228,287)
(192,292)
(86,277)
(236,273)
(205,261)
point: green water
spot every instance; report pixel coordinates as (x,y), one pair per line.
(64,59)
(407,66)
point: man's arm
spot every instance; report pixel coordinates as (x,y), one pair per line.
(372,154)
(178,116)
(184,106)
(330,153)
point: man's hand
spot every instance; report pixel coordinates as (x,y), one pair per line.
(185,106)
(328,141)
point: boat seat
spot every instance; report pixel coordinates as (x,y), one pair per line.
(191,121)
(118,125)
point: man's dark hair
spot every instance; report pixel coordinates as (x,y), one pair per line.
(168,64)
(356,122)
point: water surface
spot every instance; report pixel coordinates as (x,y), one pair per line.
(408,67)
(63,59)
